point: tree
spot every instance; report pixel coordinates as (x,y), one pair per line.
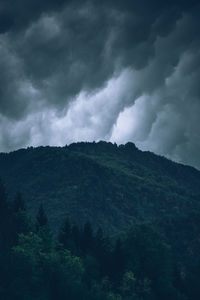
(149,258)
(76,240)
(43,230)
(65,235)
(20,218)
(117,262)
(87,238)
(102,252)
(3,202)
(41,218)
(6,220)
(19,203)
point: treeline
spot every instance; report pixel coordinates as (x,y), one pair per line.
(110,185)
(81,263)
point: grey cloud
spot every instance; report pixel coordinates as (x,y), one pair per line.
(15,15)
(11,102)
(59,61)
(169,123)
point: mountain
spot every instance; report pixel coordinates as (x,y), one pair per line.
(112,186)
(157,257)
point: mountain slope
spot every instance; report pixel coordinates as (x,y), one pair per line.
(111,186)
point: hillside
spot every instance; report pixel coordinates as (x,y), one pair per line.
(110,185)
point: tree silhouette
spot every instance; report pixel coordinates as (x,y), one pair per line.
(65,235)
(41,219)
(19,203)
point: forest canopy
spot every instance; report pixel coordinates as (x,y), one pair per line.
(83,263)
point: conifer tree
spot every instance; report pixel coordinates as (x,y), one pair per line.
(43,230)
(3,199)
(41,217)
(5,218)
(65,235)
(20,218)
(118,261)
(102,251)
(76,238)
(87,238)
(19,203)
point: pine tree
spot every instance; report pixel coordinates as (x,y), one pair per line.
(102,251)
(20,219)
(87,238)
(65,235)
(41,217)
(5,218)
(43,230)
(3,199)
(118,261)
(19,203)
(76,240)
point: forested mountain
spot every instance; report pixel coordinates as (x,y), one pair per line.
(112,186)
(97,221)
(83,264)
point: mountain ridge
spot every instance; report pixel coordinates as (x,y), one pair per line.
(110,185)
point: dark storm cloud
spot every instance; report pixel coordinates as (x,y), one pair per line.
(65,52)
(15,15)
(70,69)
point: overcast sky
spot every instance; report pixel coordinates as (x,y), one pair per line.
(114,70)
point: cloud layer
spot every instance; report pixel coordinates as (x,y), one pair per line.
(90,70)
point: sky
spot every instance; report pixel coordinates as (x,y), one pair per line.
(93,70)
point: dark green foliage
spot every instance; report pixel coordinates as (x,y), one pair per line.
(41,217)
(118,262)
(87,239)
(112,186)
(84,264)
(7,232)
(157,255)
(19,203)
(3,198)
(148,258)
(65,236)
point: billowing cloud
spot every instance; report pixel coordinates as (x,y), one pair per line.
(112,70)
